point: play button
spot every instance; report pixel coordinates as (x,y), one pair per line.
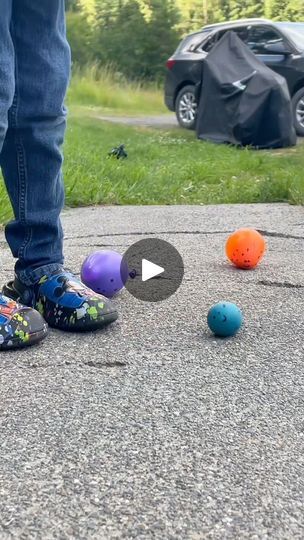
(150,270)
(155,270)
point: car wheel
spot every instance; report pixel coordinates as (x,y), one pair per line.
(298,111)
(186,107)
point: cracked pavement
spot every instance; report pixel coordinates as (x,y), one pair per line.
(153,428)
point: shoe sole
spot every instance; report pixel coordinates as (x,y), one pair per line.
(107,319)
(35,338)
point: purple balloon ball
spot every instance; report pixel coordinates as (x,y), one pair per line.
(104,272)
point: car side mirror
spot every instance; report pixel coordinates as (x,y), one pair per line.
(276,48)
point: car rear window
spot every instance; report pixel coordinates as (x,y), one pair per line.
(215,36)
(190,43)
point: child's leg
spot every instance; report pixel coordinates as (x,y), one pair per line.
(7,62)
(19,325)
(31,159)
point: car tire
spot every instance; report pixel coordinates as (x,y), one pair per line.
(186,107)
(298,111)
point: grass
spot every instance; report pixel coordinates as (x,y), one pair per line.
(170,167)
(107,91)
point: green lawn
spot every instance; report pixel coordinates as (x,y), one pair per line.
(170,167)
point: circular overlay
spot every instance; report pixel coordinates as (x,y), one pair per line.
(155,270)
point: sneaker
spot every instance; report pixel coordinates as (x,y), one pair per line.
(20,326)
(64,302)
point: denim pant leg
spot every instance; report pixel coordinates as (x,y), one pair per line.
(31,158)
(7,68)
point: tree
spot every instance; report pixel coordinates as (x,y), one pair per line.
(295,10)
(191,15)
(292,10)
(71,5)
(120,35)
(136,39)
(162,37)
(88,8)
(277,8)
(80,37)
(240,9)
(137,36)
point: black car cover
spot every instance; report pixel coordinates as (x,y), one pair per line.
(242,101)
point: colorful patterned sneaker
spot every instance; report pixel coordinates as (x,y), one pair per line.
(64,302)
(20,326)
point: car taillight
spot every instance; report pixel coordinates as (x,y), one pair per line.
(170,63)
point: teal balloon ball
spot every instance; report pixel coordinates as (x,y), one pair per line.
(225,319)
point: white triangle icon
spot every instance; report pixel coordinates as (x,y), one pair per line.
(149,270)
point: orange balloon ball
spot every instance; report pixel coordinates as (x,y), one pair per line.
(245,248)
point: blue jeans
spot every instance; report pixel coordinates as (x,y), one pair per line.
(34,74)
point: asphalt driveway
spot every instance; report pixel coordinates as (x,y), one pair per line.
(154,429)
(164,121)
